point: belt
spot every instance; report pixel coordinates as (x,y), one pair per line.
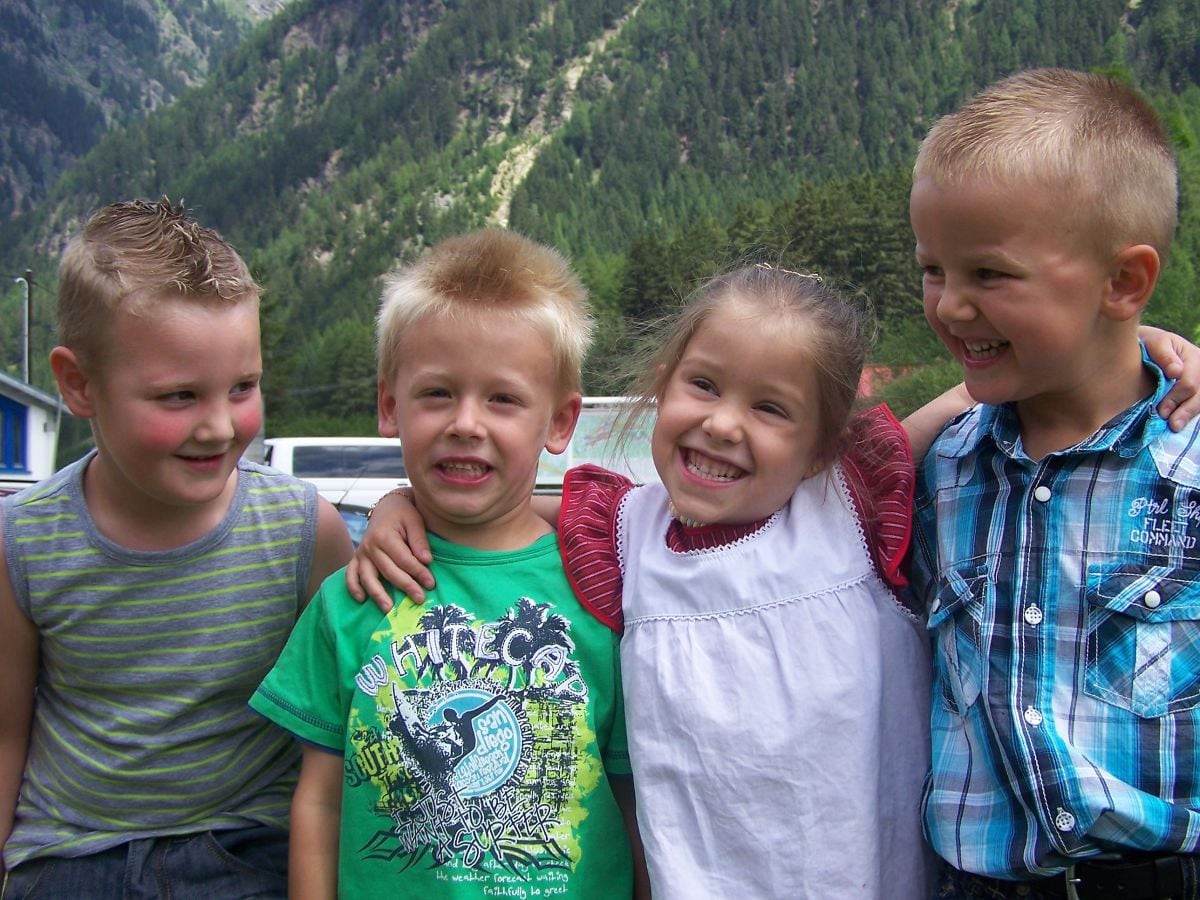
(1116,877)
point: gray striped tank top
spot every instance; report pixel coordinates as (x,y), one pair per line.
(141,726)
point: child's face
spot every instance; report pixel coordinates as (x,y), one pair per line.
(738,423)
(473,403)
(174,403)
(1014,294)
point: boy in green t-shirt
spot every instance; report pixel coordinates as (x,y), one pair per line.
(473,746)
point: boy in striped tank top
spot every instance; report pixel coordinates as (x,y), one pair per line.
(148,587)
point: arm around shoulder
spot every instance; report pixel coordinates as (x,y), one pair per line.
(924,425)
(332,549)
(18,676)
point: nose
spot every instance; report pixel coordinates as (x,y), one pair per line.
(216,425)
(953,304)
(468,419)
(723,423)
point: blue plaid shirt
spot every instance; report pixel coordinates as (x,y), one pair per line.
(1064,604)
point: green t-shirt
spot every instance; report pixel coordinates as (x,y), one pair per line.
(477,731)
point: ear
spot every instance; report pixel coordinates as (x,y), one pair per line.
(389,422)
(563,422)
(1131,282)
(73,382)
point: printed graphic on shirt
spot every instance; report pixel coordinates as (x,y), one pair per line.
(472,734)
(1164,522)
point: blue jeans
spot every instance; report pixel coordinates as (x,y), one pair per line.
(239,864)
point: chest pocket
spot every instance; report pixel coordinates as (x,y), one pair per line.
(1143,637)
(956,620)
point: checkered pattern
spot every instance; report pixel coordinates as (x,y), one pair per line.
(1064,603)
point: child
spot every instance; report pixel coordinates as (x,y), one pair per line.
(776,689)
(461,749)
(1057,521)
(148,587)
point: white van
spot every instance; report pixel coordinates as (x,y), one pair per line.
(347,471)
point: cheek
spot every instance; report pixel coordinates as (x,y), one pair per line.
(929,302)
(248,419)
(160,433)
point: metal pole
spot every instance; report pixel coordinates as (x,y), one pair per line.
(27,280)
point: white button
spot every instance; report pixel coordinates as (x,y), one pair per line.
(1153,599)
(935,606)
(1064,821)
(1033,615)
(1032,716)
(1041,493)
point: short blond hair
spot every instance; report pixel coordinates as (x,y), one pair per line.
(490,272)
(1088,136)
(132,254)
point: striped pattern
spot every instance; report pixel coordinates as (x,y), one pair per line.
(878,467)
(147,661)
(1064,599)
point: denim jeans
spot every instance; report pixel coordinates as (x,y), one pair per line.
(240,864)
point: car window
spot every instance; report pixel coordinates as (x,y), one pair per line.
(349,461)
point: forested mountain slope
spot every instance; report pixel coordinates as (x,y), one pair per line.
(72,69)
(649,139)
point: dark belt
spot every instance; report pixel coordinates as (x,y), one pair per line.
(1122,878)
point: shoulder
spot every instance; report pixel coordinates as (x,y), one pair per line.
(1176,454)
(52,489)
(963,433)
(587,531)
(879,475)
(264,477)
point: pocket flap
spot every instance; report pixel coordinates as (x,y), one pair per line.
(1146,593)
(958,587)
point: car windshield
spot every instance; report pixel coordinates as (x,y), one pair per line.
(348,461)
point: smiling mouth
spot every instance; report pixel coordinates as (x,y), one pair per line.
(981,350)
(200,457)
(710,469)
(464,469)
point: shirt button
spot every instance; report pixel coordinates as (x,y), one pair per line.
(1033,615)
(1064,821)
(1153,599)
(1041,493)
(1032,716)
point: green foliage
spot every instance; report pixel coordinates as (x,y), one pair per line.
(909,392)
(673,138)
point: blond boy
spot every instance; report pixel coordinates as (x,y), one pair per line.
(461,748)
(1056,544)
(149,586)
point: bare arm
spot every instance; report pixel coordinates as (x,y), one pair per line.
(622,788)
(394,549)
(924,425)
(1179,359)
(316,823)
(18,676)
(333,547)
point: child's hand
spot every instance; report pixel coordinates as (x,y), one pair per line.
(393,548)
(1179,359)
